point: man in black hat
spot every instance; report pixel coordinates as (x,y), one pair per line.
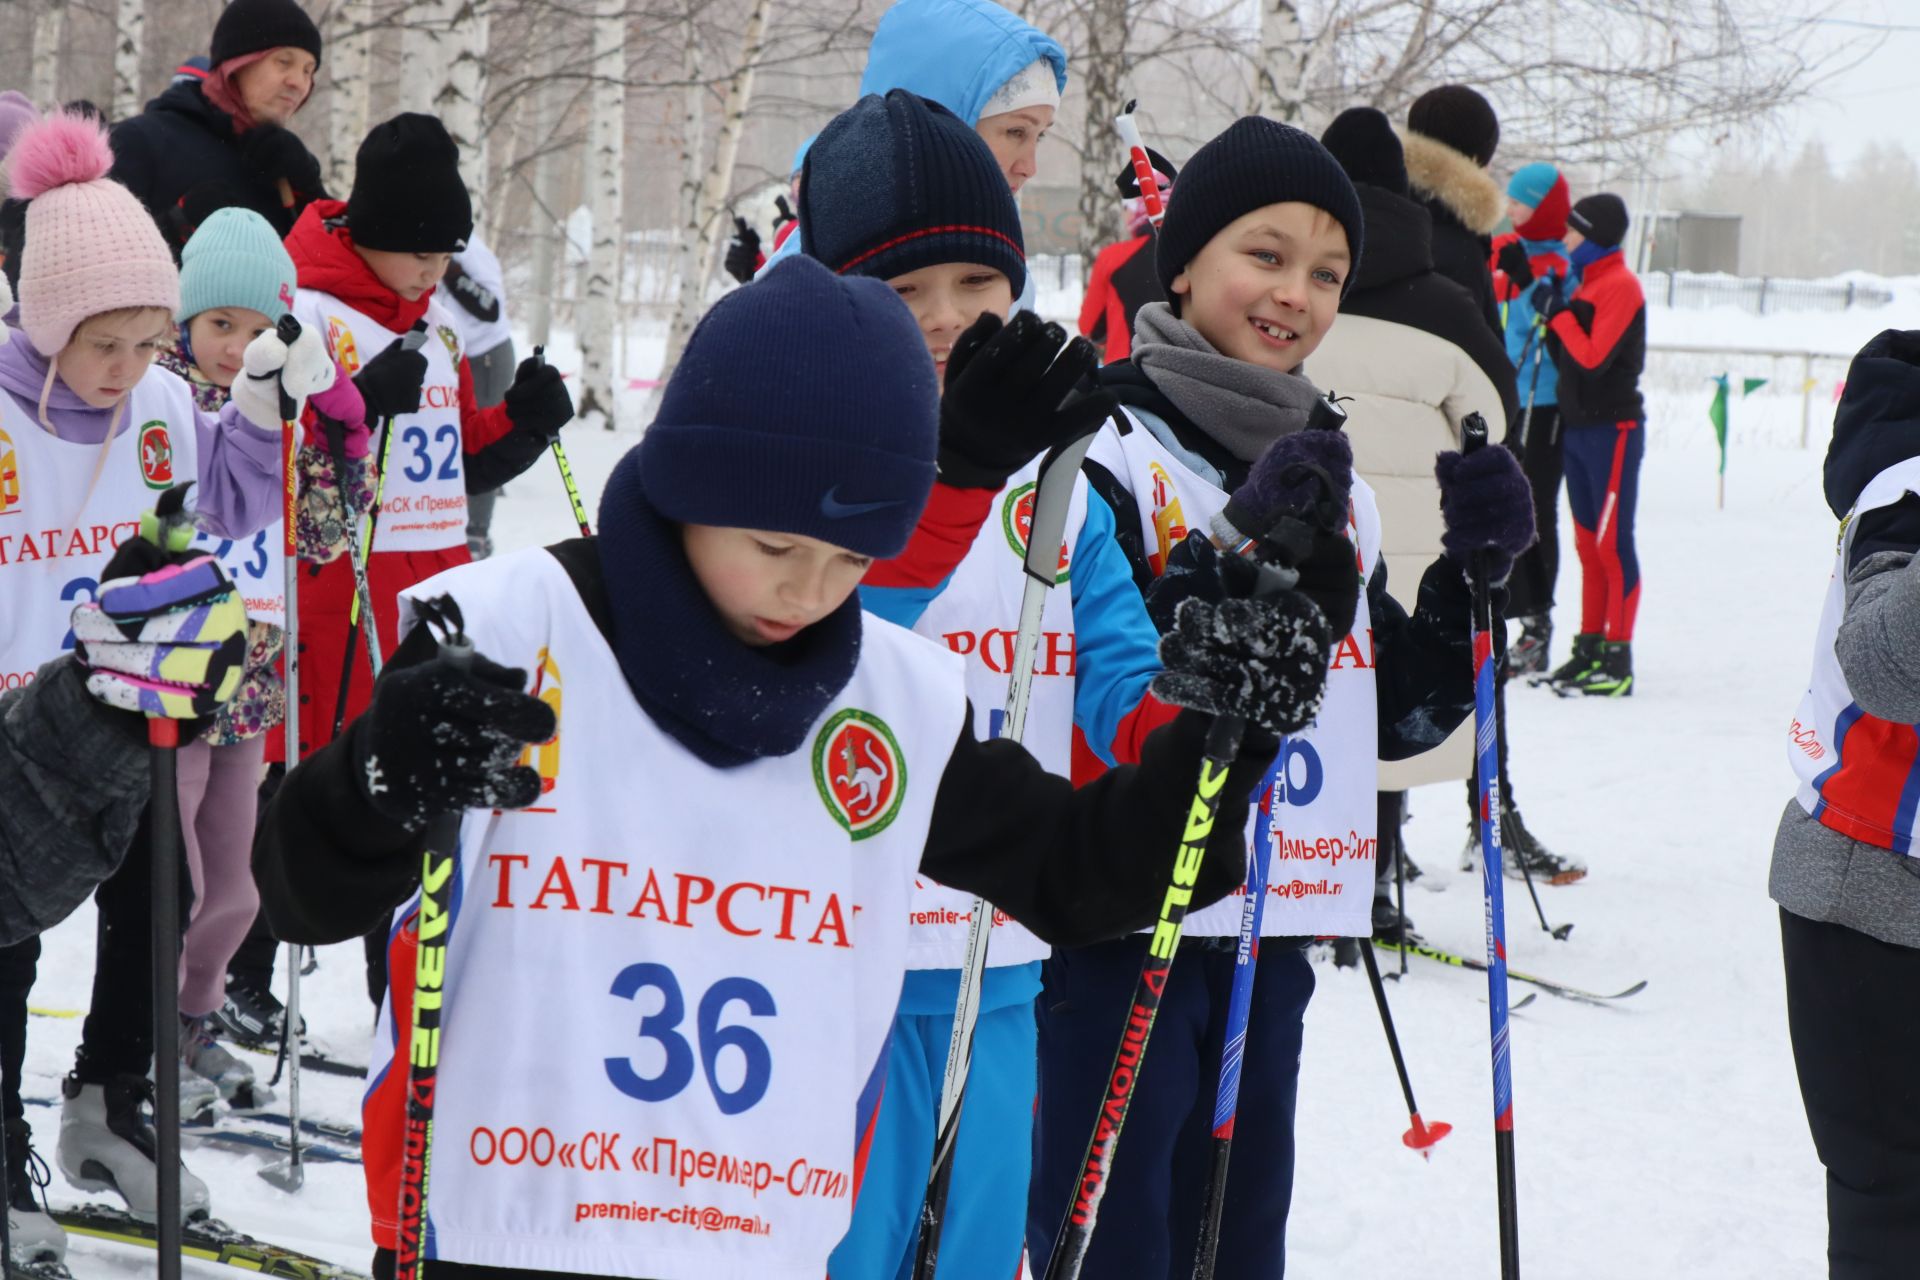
(223,139)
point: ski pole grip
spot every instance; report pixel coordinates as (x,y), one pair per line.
(1473,433)
(288,331)
(1326,414)
(414,338)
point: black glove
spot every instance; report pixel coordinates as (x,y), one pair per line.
(390,382)
(1513,260)
(1011,395)
(1549,297)
(1264,660)
(785,215)
(438,739)
(274,153)
(1488,508)
(743,252)
(538,400)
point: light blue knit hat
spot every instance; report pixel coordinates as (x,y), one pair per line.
(235,260)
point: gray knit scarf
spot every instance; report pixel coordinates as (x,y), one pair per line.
(1242,406)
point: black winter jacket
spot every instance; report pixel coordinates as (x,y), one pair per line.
(1466,204)
(183,144)
(1075,866)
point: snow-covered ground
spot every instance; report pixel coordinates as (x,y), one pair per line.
(1663,1136)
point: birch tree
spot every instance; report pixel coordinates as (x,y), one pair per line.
(49,34)
(349,46)
(702,233)
(446,43)
(130,27)
(606,142)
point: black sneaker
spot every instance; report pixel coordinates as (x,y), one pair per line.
(1527,656)
(251,1016)
(1586,656)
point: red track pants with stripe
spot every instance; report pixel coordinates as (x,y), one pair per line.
(1603,488)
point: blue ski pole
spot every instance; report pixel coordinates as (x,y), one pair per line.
(1486,749)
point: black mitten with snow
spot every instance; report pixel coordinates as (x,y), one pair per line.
(439,739)
(1263,659)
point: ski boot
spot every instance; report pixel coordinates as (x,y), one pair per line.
(206,1060)
(1612,676)
(199,1098)
(1393,928)
(1586,656)
(1520,846)
(1527,656)
(34,1235)
(250,1016)
(108,1144)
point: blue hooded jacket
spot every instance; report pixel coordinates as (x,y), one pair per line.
(957,52)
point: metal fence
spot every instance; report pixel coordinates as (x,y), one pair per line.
(1762,295)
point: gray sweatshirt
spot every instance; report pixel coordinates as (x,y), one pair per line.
(73,780)
(1818,873)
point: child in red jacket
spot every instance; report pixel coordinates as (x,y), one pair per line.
(368,268)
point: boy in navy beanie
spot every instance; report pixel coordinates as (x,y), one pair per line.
(900,189)
(1262,236)
(739,776)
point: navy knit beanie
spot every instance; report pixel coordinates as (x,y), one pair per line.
(832,431)
(1255,163)
(897,183)
(1600,218)
(1363,141)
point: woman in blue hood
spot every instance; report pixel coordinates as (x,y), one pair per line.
(993,69)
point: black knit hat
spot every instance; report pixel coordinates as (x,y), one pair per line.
(407,193)
(1255,163)
(896,183)
(254,26)
(1600,218)
(1458,117)
(1363,141)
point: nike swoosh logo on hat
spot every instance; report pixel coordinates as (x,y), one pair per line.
(834,509)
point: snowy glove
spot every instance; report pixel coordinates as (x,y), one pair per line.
(1264,660)
(1512,259)
(743,252)
(390,382)
(1012,393)
(538,400)
(272,368)
(1488,508)
(439,739)
(164,639)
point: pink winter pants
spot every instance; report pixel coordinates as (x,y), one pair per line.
(218,790)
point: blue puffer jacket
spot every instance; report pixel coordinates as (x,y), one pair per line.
(1545,256)
(957,52)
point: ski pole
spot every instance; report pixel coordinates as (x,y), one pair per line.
(1226,1105)
(566,468)
(360,550)
(1083,1210)
(1422,1135)
(1557,932)
(439,864)
(1046,534)
(163,742)
(1400,875)
(1486,747)
(1536,343)
(289,1174)
(1142,165)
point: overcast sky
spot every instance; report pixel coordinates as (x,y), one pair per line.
(1880,99)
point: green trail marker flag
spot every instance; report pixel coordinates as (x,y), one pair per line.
(1717,414)
(1752,385)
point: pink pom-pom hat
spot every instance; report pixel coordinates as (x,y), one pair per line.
(91,247)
